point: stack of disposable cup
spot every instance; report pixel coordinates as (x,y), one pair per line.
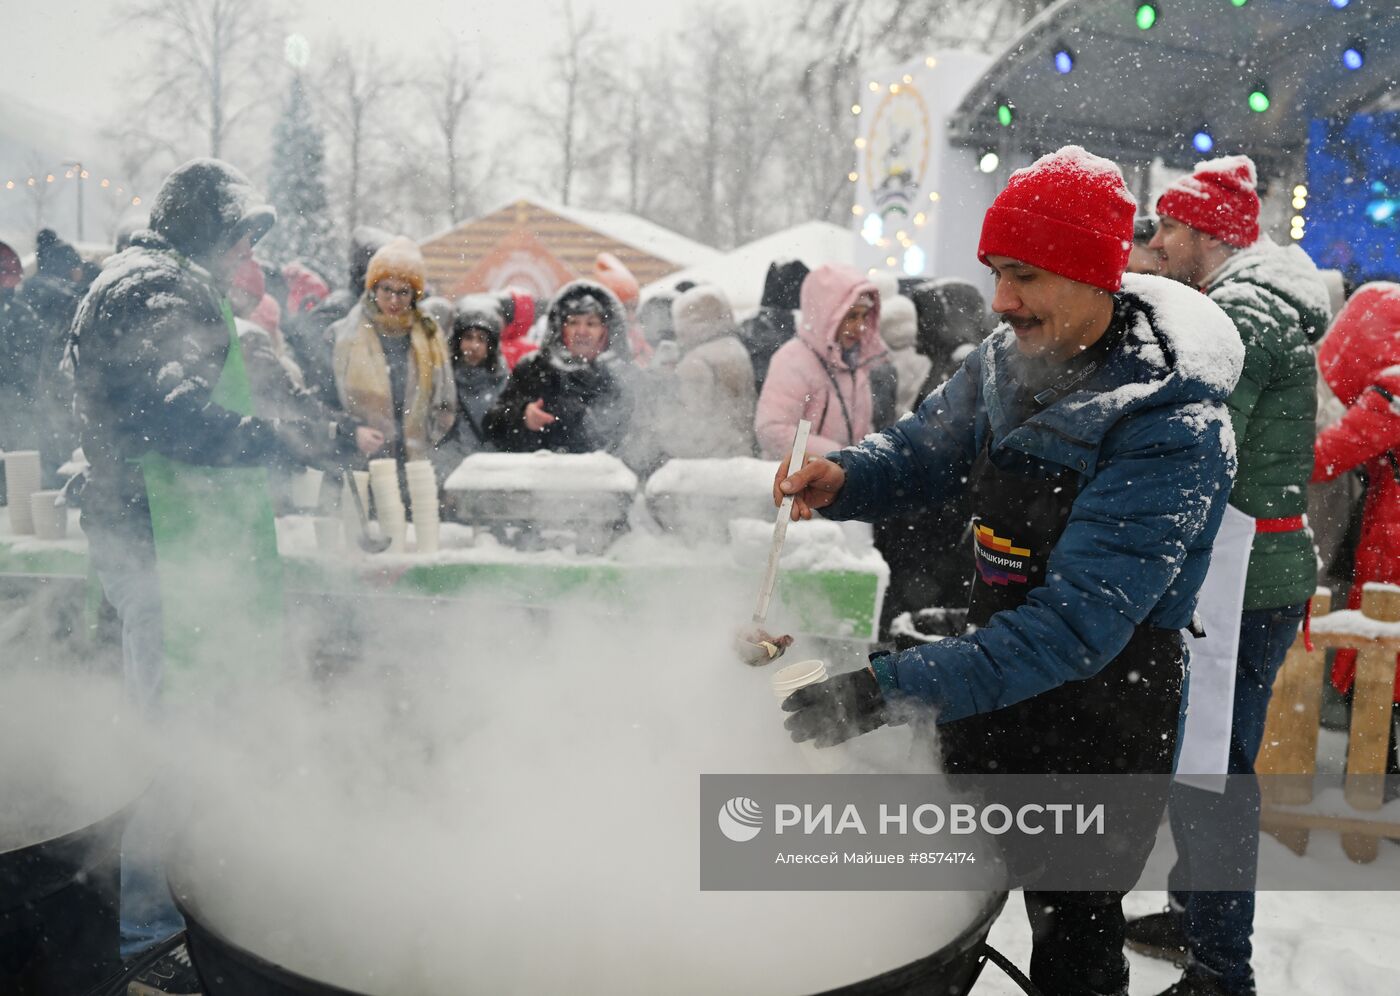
(785,681)
(388,503)
(21,481)
(49,517)
(306,488)
(423,496)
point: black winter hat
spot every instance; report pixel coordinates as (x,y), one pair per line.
(365,241)
(205,206)
(951,313)
(53,256)
(783,286)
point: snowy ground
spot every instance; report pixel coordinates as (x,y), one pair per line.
(1313,943)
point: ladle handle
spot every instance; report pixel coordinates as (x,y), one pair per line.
(775,549)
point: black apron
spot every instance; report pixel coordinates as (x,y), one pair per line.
(1121,720)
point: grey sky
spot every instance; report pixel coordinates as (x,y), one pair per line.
(71,57)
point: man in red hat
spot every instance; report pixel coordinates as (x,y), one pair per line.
(1209,239)
(1089,436)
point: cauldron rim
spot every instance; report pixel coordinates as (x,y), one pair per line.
(71,851)
(196,924)
(974,934)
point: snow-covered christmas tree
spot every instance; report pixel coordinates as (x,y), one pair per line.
(297,188)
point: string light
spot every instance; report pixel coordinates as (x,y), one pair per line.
(855,108)
(853,177)
(1202,141)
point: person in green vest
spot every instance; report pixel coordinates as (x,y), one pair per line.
(176,508)
(1209,239)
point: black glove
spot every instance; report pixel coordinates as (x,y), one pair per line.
(837,709)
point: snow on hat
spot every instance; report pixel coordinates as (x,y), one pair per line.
(613,274)
(582,304)
(1068,212)
(1220,198)
(206,205)
(701,314)
(397,259)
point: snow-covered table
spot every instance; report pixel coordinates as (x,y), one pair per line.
(828,587)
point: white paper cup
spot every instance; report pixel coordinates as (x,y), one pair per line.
(426,533)
(50,518)
(822,760)
(330,534)
(789,679)
(306,488)
(21,481)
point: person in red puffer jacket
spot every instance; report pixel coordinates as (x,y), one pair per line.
(518,310)
(1360,360)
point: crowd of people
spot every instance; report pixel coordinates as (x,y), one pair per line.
(1092,441)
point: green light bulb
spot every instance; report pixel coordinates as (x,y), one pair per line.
(1004,115)
(1146,16)
(1258,101)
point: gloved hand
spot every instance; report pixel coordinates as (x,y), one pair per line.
(837,709)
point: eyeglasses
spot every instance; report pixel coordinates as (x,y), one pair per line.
(403,293)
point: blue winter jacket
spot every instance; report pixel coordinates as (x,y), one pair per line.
(1150,436)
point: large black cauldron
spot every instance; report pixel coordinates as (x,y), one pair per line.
(59,929)
(229,970)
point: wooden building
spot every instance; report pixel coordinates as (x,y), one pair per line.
(537,247)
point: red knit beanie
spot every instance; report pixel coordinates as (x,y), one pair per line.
(1219,198)
(1070,213)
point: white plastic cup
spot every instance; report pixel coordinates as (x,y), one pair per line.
(822,760)
(306,488)
(426,533)
(789,679)
(50,518)
(21,481)
(330,534)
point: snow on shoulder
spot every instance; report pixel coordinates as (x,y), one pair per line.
(1208,347)
(1076,163)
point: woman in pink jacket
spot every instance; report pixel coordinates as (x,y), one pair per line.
(823,373)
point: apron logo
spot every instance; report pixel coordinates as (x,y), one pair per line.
(998,561)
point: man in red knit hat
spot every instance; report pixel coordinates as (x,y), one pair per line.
(1088,434)
(1209,240)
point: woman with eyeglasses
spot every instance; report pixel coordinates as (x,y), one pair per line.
(393,371)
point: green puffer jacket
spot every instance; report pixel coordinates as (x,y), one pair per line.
(1279,304)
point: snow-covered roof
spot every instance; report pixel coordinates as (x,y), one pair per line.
(636,231)
(740,273)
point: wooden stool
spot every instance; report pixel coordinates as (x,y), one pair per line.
(1291,732)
